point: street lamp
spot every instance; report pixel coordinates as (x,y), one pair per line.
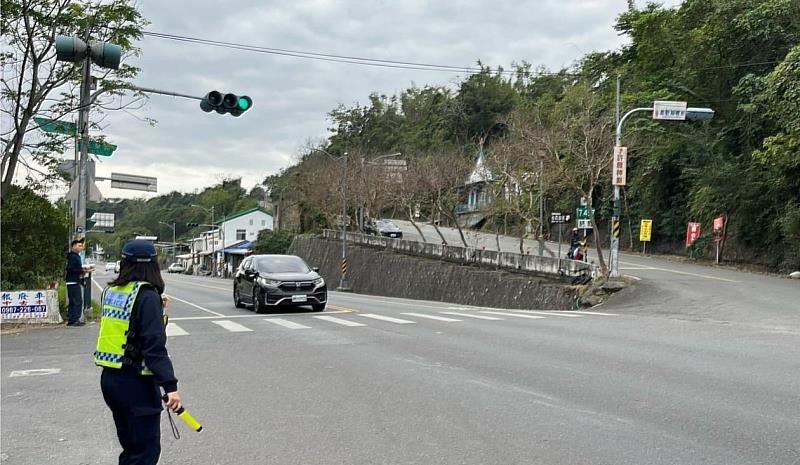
(174,244)
(213,238)
(661,110)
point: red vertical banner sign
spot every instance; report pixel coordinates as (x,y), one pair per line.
(620,166)
(719,226)
(692,233)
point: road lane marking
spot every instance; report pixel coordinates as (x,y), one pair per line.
(386,318)
(172,297)
(518,315)
(37,372)
(252,315)
(686,273)
(480,317)
(343,309)
(593,313)
(432,317)
(339,321)
(175,330)
(231,326)
(563,314)
(287,323)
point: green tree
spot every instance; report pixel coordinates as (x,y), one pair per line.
(35,84)
(273,242)
(34,237)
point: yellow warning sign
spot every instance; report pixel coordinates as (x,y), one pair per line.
(645,229)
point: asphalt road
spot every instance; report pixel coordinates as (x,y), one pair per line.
(626,384)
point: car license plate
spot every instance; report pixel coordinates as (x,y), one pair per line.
(299,298)
(392,235)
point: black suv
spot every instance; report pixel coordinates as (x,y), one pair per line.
(271,281)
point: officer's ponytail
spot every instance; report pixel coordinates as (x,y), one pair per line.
(149,272)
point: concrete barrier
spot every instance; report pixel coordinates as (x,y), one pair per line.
(533,264)
(459,276)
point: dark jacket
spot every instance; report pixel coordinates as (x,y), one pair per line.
(150,338)
(74,268)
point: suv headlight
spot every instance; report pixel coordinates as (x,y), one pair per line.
(269,282)
(319,282)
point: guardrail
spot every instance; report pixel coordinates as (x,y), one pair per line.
(534,264)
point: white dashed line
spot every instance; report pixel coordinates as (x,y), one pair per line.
(339,321)
(518,315)
(175,330)
(468,315)
(286,323)
(432,317)
(232,326)
(386,318)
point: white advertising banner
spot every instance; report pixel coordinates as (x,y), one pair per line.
(29,305)
(620,166)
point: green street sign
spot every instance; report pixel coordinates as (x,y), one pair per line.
(100,148)
(58,127)
(582,213)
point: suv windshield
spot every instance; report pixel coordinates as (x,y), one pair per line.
(386,224)
(281,264)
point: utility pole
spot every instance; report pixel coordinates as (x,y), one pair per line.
(541,208)
(343,286)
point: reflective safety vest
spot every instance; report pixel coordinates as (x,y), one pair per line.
(112,342)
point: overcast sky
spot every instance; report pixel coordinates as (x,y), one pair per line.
(188,149)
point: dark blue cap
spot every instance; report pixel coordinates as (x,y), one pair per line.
(139,251)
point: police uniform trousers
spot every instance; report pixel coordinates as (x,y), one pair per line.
(135,402)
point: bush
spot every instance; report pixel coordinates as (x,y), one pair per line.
(273,242)
(35,240)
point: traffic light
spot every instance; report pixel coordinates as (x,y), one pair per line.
(191,225)
(74,50)
(227,103)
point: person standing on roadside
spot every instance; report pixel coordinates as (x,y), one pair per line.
(73,275)
(131,348)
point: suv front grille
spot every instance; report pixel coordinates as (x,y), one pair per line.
(303,286)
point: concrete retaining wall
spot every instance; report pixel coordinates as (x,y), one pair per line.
(384,272)
(514,262)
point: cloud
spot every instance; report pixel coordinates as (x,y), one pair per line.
(188,149)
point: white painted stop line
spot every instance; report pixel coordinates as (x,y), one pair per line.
(37,372)
(432,317)
(339,321)
(386,318)
(175,330)
(564,314)
(287,323)
(232,326)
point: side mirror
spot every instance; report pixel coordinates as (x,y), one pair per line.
(315,269)
(250,273)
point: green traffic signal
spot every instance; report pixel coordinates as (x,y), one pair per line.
(227,103)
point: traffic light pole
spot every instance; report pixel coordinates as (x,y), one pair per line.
(83,142)
(148,90)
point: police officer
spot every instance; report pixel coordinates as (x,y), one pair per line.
(131,348)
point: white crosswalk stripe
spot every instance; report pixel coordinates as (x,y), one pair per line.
(287,323)
(175,330)
(339,321)
(594,313)
(432,317)
(470,315)
(386,318)
(518,315)
(231,326)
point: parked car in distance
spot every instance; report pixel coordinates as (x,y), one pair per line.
(383,227)
(111,266)
(271,281)
(176,268)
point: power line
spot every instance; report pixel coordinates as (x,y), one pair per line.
(335,58)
